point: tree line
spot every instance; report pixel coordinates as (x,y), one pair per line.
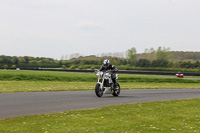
(27,61)
(161,57)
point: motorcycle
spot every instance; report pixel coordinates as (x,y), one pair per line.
(105,84)
(179,75)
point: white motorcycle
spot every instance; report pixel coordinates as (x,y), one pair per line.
(105,84)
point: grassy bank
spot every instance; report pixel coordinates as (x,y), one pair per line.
(13,75)
(163,117)
(30,81)
(35,86)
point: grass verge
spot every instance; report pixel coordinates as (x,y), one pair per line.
(30,81)
(164,117)
(42,86)
(13,75)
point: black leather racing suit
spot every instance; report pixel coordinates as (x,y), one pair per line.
(110,67)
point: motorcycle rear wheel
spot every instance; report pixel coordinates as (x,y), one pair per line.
(98,90)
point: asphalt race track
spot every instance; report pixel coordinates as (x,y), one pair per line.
(30,103)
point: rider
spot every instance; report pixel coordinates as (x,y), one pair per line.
(107,66)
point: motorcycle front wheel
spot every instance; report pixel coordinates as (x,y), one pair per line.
(98,90)
(116,91)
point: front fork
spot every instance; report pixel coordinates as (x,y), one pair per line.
(101,82)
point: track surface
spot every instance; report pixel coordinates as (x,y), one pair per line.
(29,103)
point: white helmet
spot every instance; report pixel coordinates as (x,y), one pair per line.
(106,62)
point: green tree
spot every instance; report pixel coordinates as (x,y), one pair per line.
(160,63)
(92,67)
(26,58)
(13,66)
(162,53)
(132,56)
(21,60)
(80,67)
(72,67)
(149,54)
(14,60)
(63,66)
(143,63)
(5,66)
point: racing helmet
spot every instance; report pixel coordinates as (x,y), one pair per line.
(106,62)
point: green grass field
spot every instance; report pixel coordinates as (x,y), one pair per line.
(162,117)
(36,86)
(30,81)
(13,75)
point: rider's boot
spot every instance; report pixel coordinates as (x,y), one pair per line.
(115,83)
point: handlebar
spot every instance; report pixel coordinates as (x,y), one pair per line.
(106,71)
(110,71)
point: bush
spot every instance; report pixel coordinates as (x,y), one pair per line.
(80,67)
(5,66)
(92,68)
(13,66)
(72,67)
(63,66)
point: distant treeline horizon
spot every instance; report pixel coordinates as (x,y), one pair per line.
(160,58)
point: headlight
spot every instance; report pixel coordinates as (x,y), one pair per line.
(108,75)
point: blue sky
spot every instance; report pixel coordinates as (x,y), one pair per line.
(53,28)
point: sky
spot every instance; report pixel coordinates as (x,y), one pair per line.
(56,28)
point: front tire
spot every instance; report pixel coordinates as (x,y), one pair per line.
(116,91)
(98,90)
